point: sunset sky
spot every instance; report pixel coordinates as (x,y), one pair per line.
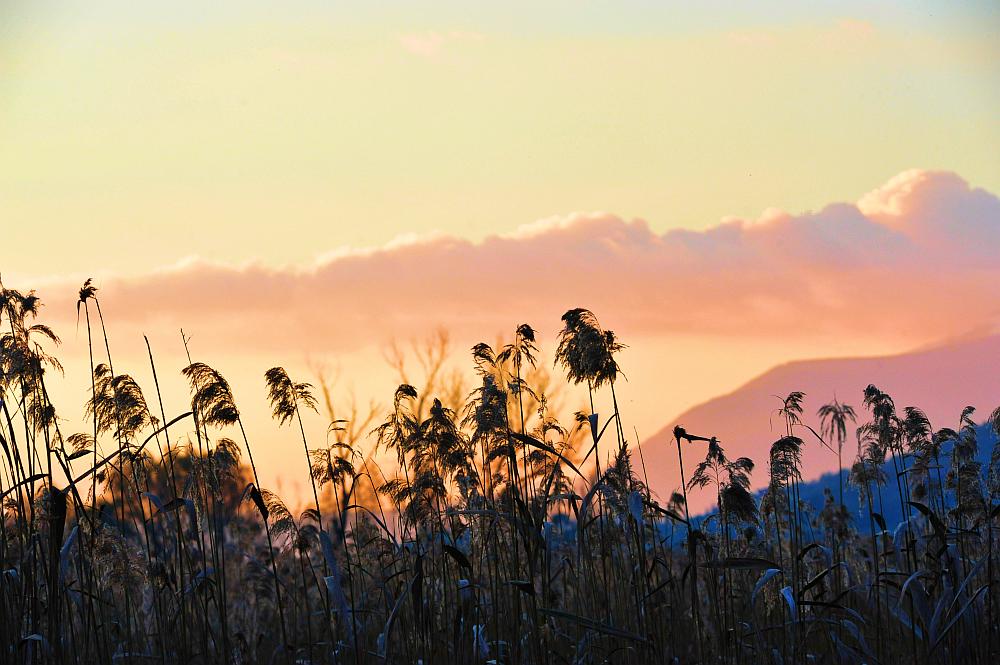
(727,185)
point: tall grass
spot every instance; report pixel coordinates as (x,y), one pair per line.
(488,542)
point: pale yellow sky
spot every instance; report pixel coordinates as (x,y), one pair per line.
(133,137)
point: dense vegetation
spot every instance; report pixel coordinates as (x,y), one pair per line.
(487,542)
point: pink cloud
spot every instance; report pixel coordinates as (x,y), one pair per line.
(913,261)
(430,43)
(856,27)
(838,35)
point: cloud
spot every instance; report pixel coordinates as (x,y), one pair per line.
(838,35)
(856,27)
(914,260)
(431,43)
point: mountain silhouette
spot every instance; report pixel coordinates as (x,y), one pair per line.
(941,380)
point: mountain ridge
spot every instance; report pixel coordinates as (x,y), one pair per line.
(941,379)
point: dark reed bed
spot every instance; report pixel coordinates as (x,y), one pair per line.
(147,536)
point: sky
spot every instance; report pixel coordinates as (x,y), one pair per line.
(727,185)
(241,131)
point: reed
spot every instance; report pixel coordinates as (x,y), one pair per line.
(486,539)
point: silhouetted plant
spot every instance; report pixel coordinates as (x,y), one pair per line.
(487,540)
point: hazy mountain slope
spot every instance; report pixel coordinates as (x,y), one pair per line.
(941,380)
(813,494)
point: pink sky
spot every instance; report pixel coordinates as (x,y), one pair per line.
(924,241)
(911,263)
